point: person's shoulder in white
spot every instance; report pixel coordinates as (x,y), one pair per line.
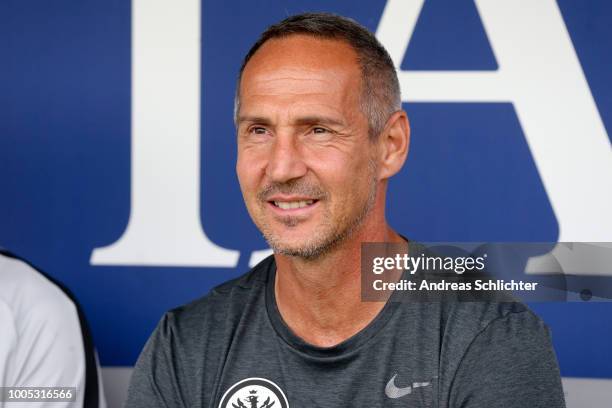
(41,343)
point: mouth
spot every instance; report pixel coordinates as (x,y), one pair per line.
(292,205)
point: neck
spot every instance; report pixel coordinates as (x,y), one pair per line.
(320,299)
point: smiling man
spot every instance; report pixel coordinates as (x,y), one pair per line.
(320,131)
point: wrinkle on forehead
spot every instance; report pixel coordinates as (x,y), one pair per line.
(295,79)
(312,51)
(304,73)
(299,57)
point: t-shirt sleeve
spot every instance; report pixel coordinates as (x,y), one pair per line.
(154,379)
(509,364)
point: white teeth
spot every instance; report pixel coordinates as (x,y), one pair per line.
(287,205)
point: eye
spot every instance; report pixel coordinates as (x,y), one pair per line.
(257,130)
(319,130)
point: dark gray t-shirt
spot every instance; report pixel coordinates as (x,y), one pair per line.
(232,349)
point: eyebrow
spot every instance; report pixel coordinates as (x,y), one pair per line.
(253,119)
(300,121)
(312,120)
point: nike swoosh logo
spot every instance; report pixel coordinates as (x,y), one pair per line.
(392,391)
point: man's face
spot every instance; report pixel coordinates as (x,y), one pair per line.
(306,168)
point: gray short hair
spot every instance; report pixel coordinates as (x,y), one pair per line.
(380,93)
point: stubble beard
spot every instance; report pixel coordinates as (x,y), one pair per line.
(327,236)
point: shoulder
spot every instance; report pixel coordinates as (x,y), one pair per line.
(223,305)
(464,318)
(469,328)
(465,321)
(510,325)
(31,297)
(202,328)
(47,337)
(509,361)
(487,334)
(476,316)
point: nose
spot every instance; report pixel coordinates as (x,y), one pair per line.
(286,162)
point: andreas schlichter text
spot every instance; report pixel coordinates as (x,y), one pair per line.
(484,285)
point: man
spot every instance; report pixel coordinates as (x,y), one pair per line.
(44,338)
(320,131)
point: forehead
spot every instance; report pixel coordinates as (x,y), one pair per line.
(304,67)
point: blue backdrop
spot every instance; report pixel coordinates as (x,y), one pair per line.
(65,151)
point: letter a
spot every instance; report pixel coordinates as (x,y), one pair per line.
(540,74)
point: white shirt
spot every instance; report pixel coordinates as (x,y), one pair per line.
(41,343)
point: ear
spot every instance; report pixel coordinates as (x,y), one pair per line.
(393,142)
